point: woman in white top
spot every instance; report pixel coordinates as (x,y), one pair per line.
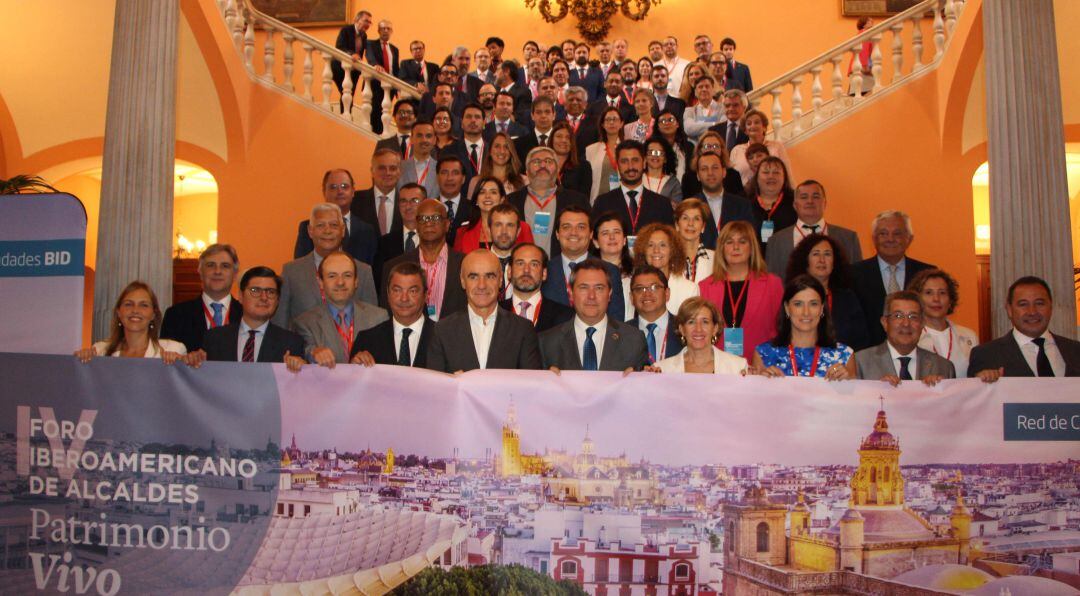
(643,126)
(939,294)
(609,239)
(658,245)
(601,155)
(659,175)
(756,126)
(706,112)
(690,218)
(699,324)
(136,322)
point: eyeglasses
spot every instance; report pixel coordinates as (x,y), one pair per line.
(412,201)
(655,153)
(667,121)
(900,316)
(651,288)
(710,146)
(430,218)
(545,161)
(260,292)
(342,186)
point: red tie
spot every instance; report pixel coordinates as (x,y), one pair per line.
(386,57)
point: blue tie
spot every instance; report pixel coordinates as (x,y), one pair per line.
(650,339)
(218,307)
(588,353)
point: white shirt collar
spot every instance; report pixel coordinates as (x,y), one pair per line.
(244,328)
(819,223)
(601,327)
(896,354)
(638,188)
(475,319)
(1022,339)
(226,301)
(532,300)
(417,326)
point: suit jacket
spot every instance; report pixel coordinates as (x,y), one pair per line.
(672,104)
(462,213)
(460,148)
(346,42)
(300,290)
(379,342)
(739,76)
(362,242)
(408,174)
(555,288)
(578,179)
(563,198)
(871,291)
(317,328)
(488,78)
(848,319)
(782,244)
(513,344)
(527,142)
(515,130)
(410,72)
(876,362)
(221,344)
(672,346)
(522,104)
(652,208)
(550,313)
(764,299)
(186,321)
(593,81)
(391,246)
(375,57)
(624,347)
(721,129)
(364,207)
(592,113)
(458,102)
(392,142)
(734,208)
(1004,352)
(453,294)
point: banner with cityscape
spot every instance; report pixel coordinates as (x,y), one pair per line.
(129,477)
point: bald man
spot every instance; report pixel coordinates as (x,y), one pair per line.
(483,335)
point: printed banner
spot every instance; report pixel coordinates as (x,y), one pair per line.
(42,259)
(132,477)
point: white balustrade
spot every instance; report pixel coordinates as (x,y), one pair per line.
(327,81)
(309,71)
(875,61)
(249,45)
(916,41)
(365,103)
(837,82)
(777,111)
(387,107)
(287,39)
(897,51)
(268,54)
(856,75)
(347,93)
(796,105)
(815,95)
(950,16)
(939,34)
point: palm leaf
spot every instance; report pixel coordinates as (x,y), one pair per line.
(24,184)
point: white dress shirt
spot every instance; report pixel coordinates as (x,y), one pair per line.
(913,365)
(414,338)
(660,333)
(567,261)
(1031,352)
(208,302)
(482,330)
(798,232)
(900,266)
(533,301)
(391,208)
(953,344)
(455,201)
(598,338)
(405,238)
(242,337)
(716,203)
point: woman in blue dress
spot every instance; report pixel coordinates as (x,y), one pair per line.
(805,344)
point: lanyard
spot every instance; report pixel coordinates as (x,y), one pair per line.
(346,335)
(611,157)
(628,94)
(774,207)
(475,164)
(737,302)
(659,183)
(536,199)
(432,271)
(427,165)
(798,227)
(659,353)
(634,218)
(828,298)
(535,316)
(933,345)
(813,366)
(210,319)
(575,122)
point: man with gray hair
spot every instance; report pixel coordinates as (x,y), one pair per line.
(889,270)
(188,321)
(585,133)
(361,238)
(300,287)
(540,201)
(465,84)
(735,103)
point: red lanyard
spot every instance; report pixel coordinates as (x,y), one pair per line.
(828,298)
(775,205)
(468,154)
(575,122)
(628,94)
(634,218)
(427,165)
(737,302)
(536,199)
(933,345)
(432,271)
(536,310)
(798,227)
(346,336)
(660,353)
(210,319)
(611,156)
(813,366)
(658,183)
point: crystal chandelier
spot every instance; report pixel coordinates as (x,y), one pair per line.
(593,16)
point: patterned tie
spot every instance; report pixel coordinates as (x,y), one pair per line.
(650,339)
(218,308)
(249,347)
(894,285)
(581,73)
(632,194)
(732,134)
(382,214)
(905,374)
(342,318)
(588,352)
(812,228)
(543,140)
(473,155)
(449,210)
(502,126)
(404,353)
(1042,361)
(523,308)
(409,242)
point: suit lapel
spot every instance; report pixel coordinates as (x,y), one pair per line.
(611,346)
(269,343)
(464,329)
(674,346)
(570,347)
(500,345)
(1015,354)
(923,367)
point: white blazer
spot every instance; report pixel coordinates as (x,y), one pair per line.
(723,363)
(595,154)
(167,345)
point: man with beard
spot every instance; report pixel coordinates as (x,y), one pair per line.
(470,147)
(664,99)
(486,99)
(583,74)
(534,71)
(635,205)
(528,270)
(541,202)
(614,97)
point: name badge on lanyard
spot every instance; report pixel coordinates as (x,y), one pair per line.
(613,181)
(733,341)
(541,223)
(767,229)
(431,312)
(630,242)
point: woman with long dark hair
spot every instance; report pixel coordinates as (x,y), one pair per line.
(824,259)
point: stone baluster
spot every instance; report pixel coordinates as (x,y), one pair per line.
(777,111)
(916,43)
(855,78)
(837,82)
(327,81)
(939,33)
(875,61)
(288,39)
(268,53)
(387,107)
(815,95)
(249,44)
(796,106)
(347,91)
(230,19)
(236,26)
(365,101)
(897,51)
(309,70)
(950,17)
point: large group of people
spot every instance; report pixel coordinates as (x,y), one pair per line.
(567,212)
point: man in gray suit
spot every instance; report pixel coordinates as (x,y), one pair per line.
(592,340)
(483,335)
(330,329)
(900,358)
(301,292)
(810,207)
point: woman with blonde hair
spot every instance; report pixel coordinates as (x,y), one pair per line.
(699,323)
(746,294)
(136,322)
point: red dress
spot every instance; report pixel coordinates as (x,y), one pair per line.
(468,239)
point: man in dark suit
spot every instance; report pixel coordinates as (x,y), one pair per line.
(463,83)
(649,292)
(470,148)
(724,206)
(585,130)
(441,265)
(583,74)
(664,99)
(404,237)
(384,56)
(404,114)
(593,340)
(543,118)
(541,202)
(737,71)
(730,128)
(528,270)
(352,39)
(506,82)
(635,205)
(404,339)
(899,358)
(503,120)
(416,71)
(483,335)
(613,96)
(377,206)
(889,270)
(187,322)
(453,98)
(574,233)
(255,338)
(361,239)
(450,175)
(1029,349)
(485,70)
(810,207)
